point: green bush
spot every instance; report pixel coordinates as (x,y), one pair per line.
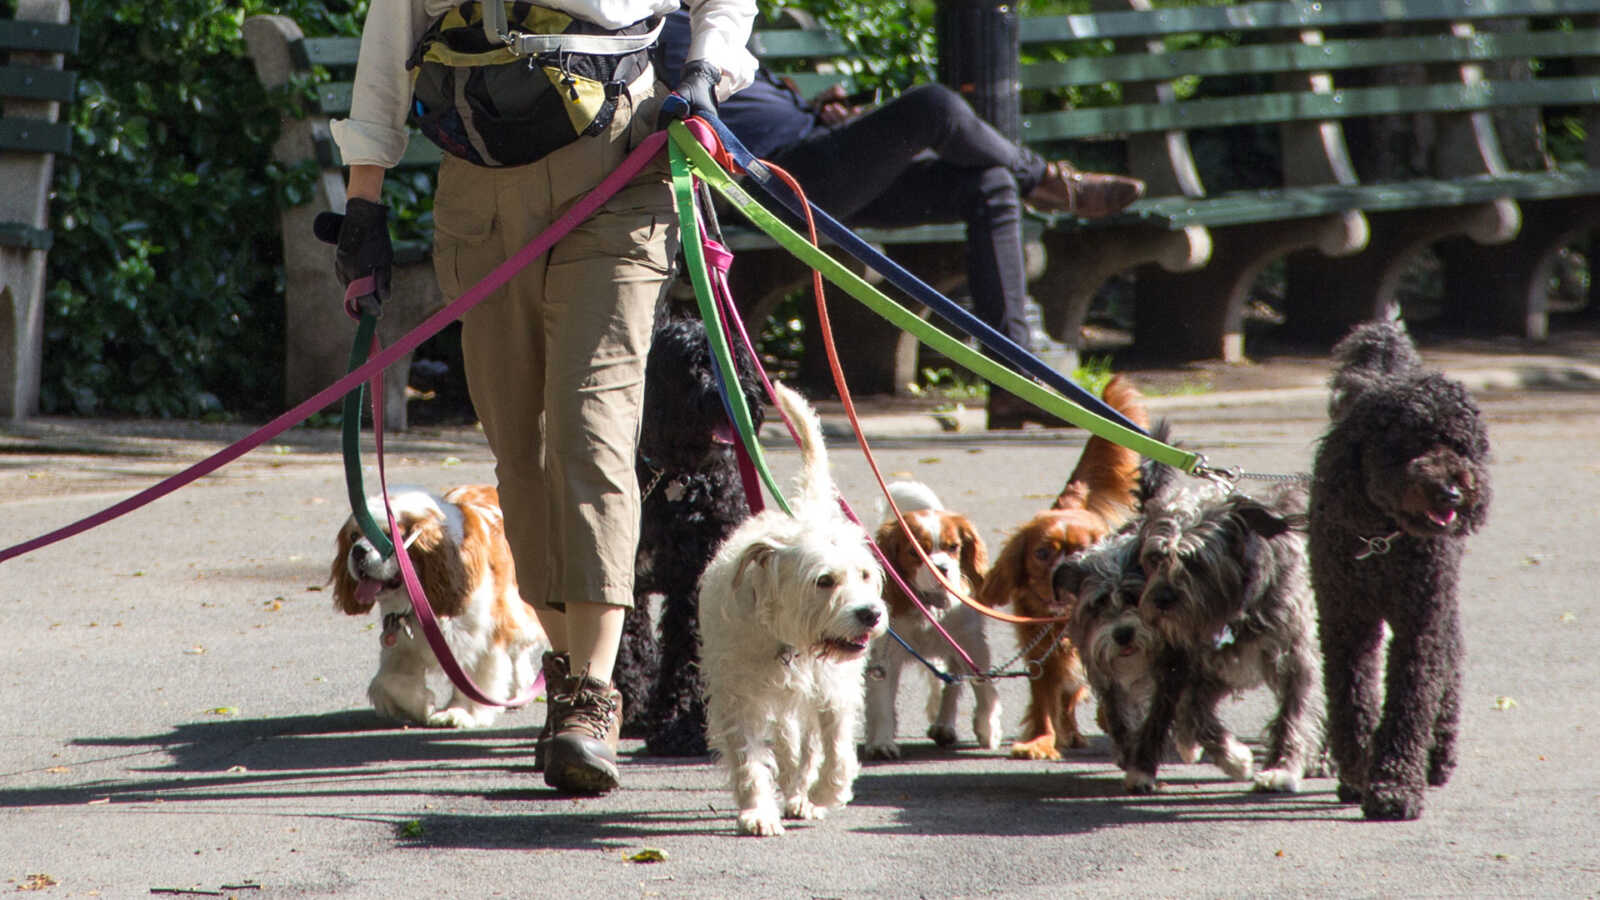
(166,297)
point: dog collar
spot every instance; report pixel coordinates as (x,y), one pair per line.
(393,624)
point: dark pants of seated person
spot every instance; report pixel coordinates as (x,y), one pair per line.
(922,158)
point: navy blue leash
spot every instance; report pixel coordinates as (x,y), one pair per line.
(1008,350)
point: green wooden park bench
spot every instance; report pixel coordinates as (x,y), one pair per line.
(35,42)
(1466,93)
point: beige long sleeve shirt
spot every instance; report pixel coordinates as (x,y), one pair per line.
(375,132)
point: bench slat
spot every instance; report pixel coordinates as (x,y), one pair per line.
(331,52)
(798,43)
(1305,107)
(35,136)
(25,236)
(32,83)
(1264,16)
(1330,56)
(38,37)
(420,154)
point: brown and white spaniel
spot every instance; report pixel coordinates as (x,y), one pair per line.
(457,545)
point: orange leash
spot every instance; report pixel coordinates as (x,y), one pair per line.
(826,326)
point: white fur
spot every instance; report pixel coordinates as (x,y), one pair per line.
(782,714)
(499,659)
(964,625)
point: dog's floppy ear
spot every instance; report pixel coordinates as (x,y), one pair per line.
(974,555)
(1263,521)
(755,568)
(1066,580)
(344,584)
(1006,576)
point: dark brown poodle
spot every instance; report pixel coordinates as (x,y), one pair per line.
(1400,479)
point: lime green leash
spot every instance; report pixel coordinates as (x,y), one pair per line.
(688,154)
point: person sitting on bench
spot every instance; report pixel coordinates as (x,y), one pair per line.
(923,157)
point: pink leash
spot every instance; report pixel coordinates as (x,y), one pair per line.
(718,261)
(432,325)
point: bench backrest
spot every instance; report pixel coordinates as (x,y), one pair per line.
(1299,64)
(29,88)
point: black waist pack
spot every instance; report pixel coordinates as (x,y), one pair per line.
(493,106)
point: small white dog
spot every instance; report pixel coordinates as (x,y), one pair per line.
(952,543)
(457,545)
(788,608)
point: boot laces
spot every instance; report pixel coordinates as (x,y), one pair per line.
(589,710)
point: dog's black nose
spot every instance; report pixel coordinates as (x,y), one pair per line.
(868,616)
(1123,635)
(1450,494)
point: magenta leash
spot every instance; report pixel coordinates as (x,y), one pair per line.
(503,273)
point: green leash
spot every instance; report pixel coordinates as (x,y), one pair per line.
(694,256)
(701,164)
(350,429)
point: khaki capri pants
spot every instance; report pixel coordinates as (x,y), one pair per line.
(555,359)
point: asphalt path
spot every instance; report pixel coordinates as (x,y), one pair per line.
(184,710)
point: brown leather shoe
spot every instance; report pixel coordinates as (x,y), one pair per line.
(1010,413)
(582,758)
(1088,195)
(557,669)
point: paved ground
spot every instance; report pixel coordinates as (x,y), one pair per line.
(183,709)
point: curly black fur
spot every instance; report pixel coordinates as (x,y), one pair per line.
(693,498)
(1405,458)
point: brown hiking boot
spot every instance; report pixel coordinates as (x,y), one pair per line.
(1087,195)
(557,668)
(582,755)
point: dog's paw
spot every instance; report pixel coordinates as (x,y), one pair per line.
(1440,766)
(453,717)
(942,735)
(825,797)
(1038,748)
(1277,781)
(803,808)
(1235,761)
(1392,803)
(1073,741)
(1136,782)
(760,822)
(1189,752)
(886,751)
(1348,793)
(988,737)
(389,708)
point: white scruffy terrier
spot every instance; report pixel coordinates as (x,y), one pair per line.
(788,608)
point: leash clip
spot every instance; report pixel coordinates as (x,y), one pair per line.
(1228,477)
(1377,546)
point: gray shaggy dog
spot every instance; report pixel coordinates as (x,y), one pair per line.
(1399,480)
(1228,596)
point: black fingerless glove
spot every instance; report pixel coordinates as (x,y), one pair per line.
(697,85)
(362,238)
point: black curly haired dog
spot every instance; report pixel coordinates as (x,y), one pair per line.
(1400,478)
(692,498)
